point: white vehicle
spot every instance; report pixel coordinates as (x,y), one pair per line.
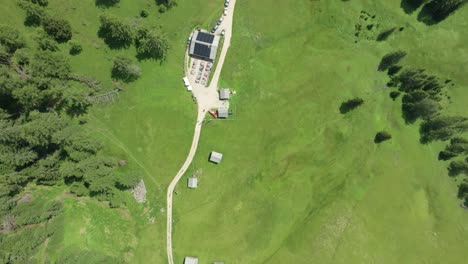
(225,11)
(223,32)
(186,81)
(220,20)
(189,88)
(226,4)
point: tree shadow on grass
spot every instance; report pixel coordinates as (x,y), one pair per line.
(148,57)
(105,3)
(113,43)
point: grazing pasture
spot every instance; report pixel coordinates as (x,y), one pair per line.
(299,181)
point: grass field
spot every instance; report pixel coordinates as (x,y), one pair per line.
(301,183)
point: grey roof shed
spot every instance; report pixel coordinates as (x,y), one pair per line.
(216,157)
(223,112)
(192,182)
(190,260)
(224,94)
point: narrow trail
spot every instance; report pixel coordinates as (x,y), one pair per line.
(207,97)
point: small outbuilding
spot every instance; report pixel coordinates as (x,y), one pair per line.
(216,157)
(192,182)
(223,112)
(191,260)
(224,94)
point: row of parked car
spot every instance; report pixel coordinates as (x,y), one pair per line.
(220,20)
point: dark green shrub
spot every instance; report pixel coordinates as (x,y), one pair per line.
(124,69)
(22,57)
(57,28)
(115,32)
(34,14)
(75,48)
(44,42)
(11,38)
(382,136)
(151,44)
(350,105)
(144,13)
(394,95)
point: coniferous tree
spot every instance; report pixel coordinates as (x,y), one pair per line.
(57,28)
(390,60)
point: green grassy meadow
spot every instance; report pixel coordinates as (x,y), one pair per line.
(299,182)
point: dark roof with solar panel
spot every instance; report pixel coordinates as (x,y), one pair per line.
(205,37)
(202,50)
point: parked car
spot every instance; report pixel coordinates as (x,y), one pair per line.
(220,20)
(214,29)
(225,11)
(223,32)
(226,4)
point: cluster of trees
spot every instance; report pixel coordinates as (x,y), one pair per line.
(421,100)
(36,15)
(165,5)
(119,33)
(433,11)
(42,138)
(42,141)
(422,93)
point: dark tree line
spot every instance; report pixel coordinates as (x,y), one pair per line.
(42,142)
(422,94)
(120,33)
(437,10)
(433,11)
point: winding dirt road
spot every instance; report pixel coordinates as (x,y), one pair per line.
(207,97)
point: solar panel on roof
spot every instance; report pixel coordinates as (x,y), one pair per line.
(202,50)
(205,37)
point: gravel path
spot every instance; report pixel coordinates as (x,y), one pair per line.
(207,97)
